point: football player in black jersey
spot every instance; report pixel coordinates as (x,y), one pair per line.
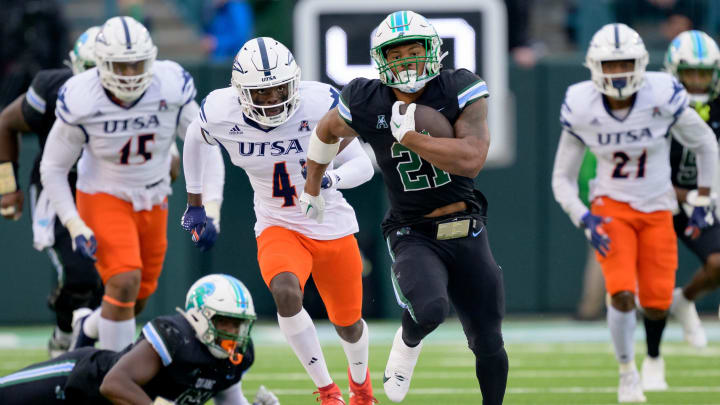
(187,358)
(436,226)
(694,58)
(34,112)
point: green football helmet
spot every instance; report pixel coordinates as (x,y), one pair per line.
(695,50)
(220,295)
(399,28)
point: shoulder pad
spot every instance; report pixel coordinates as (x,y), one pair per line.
(322,96)
(167,336)
(667,91)
(77,97)
(177,84)
(575,103)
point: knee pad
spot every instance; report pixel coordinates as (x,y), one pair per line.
(432,313)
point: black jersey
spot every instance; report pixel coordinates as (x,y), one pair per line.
(38,108)
(415,187)
(191,374)
(682,160)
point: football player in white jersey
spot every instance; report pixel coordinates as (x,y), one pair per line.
(123,117)
(625,116)
(264,121)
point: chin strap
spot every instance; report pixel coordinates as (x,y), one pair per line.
(234,357)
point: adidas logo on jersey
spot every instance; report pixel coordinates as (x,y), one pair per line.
(236,130)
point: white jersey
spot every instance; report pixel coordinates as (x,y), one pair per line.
(272,159)
(127,149)
(633,163)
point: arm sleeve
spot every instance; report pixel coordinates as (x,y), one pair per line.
(186,115)
(202,164)
(568,159)
(353,166)
(231,396)
(62,149)
(692,132)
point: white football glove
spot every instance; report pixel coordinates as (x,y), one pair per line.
(312,206)
(162,401)
(400,124)
(265,397)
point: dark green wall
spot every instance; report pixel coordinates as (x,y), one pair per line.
(541,253)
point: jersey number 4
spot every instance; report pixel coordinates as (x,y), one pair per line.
(621,159)
(408,167)
(142,140)
(282,188)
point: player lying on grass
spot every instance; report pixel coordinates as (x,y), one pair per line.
(189,357)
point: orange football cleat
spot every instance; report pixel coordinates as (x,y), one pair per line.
(361,394)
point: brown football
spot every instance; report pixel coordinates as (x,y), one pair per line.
(428,119)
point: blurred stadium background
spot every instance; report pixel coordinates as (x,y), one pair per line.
(529,51)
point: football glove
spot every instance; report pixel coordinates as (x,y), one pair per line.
(201,227)
(595,233)
(265,397)
(701,216)
(83,239)
(400,124)
(162,401)
(312,206)
(11,205)
(328,176)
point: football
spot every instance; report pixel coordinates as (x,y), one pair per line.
(431,121)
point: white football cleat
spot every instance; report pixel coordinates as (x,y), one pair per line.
(399,369)
(630,389)
(653,374)
(684,310)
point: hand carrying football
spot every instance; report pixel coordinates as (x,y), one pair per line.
(430,121)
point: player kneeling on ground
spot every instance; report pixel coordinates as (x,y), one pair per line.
(189,357)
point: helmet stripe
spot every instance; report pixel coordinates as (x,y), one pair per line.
(264,56)
(617,36)
(698,44)
(127,32)
(238,290)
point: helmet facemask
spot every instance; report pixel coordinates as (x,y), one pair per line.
(271,115)
(126,87)
(701,82)
(396,73)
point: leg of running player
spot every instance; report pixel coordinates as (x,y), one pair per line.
(116,327)
(657,263)
(420,279)
(476,289)
(285,264)
(337,272)
(706,279)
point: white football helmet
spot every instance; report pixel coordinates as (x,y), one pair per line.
(695,50)
(400,27)
(263,63)
(82,56)
(122,41)
(617,42)
(222,295)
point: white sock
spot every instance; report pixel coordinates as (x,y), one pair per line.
(622,330)
(357,355)
(116,335)
(90,326)
(300,333)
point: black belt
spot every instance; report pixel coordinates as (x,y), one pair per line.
(455,226)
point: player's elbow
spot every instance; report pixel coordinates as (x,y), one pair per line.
(110,387)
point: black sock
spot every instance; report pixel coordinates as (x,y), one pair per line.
(653,334)
(492,372)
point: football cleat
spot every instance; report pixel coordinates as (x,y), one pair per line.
(79,338)
(59,343)
(630,389)
(653,374)
(330,395)
(684,310)
(361,394)
(399,369)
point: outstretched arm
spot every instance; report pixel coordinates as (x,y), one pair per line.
(463,155)
(123,383)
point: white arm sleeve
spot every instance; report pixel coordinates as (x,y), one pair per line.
(62,148)
(353,166)
(231,396)
(568,160)
(203,165)
(692,132)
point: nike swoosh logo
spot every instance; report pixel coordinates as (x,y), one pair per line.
(440,109)
(396,125)
(385,378)
(475,234)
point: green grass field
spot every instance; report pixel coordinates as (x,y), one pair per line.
(553,362)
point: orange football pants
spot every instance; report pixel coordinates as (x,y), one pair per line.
(335,265)
(127,240)
(643,253)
